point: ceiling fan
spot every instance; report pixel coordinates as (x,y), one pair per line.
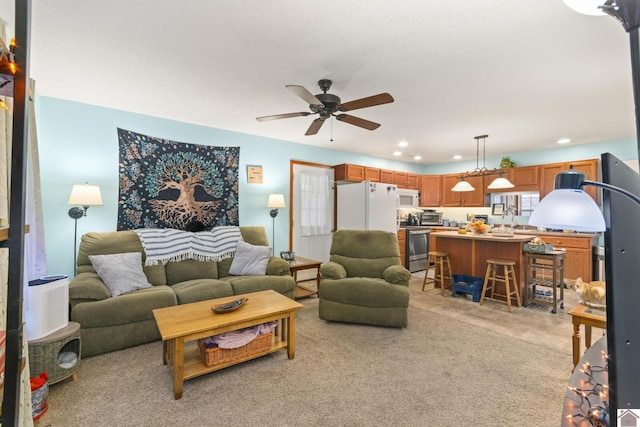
(327,105)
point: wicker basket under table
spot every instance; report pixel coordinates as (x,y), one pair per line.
(43,353)
(217,356)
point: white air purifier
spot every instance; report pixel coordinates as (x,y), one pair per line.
(46,306)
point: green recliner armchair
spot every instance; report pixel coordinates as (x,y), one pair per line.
(364,281)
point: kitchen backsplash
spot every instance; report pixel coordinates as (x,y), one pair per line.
(460,215)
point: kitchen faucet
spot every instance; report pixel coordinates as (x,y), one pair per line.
(510,210)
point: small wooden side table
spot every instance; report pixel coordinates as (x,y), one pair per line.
(299,264)
(44,352)
(583,315)
(547,271)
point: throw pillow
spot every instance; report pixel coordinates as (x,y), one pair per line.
(122,273)
(250,260)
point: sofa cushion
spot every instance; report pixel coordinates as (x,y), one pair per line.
(122,273)
(365,292)
(190,270)
(247,284)
(201,290)
(250,260)
(94,243)
(133,307)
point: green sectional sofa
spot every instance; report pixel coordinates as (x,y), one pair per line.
(111,323)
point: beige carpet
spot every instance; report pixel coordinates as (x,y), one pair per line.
(457,363)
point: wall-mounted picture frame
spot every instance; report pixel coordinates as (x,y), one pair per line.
(254,174)
(497,209)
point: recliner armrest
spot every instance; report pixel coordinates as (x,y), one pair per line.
(397,275)
(278,267)
(332,270)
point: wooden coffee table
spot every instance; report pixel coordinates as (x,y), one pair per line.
(182,325)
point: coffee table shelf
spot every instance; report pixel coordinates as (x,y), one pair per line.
(182,325)
(194,365)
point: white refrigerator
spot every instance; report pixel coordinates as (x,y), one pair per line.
(367,206)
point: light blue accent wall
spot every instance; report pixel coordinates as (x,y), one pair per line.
(78,143)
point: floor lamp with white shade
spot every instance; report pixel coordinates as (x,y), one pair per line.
(276,201)
(84,195)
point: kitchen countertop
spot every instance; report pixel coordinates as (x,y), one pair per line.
(531,232)
(486,236)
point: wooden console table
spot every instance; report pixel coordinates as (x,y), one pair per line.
(583,315)
(299,264)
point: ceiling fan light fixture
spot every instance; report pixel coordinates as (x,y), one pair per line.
(463,185)
(500,183)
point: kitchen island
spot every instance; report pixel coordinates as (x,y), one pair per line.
(469,252)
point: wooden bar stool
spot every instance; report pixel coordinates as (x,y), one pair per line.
(508,277)
(441,265)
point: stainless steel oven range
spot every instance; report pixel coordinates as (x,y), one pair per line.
(417,248)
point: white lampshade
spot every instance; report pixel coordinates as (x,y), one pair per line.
(276,200)
(463,186)
(568,209)
(500,183)
(85,195)
(586,7)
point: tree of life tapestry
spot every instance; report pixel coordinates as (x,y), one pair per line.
(168,184)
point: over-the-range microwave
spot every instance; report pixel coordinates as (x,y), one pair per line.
(408,198)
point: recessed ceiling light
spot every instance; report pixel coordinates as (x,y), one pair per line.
(563,141)
(403,144)
(397,153)
(457,157)
(418,157)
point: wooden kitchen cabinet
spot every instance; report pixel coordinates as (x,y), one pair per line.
(386,176)
(524,178)
(349,172)
(356,173)
(549,171)
(430,190)
(402,243)
(371,174)
(578,255)
(462,198)
(406,180)
(400,179)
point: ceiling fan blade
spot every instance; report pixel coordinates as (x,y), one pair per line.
(357,121)
(315,127)
(303,93)
(370,101)
(282,116)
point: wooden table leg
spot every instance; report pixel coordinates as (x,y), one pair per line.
(291,335)
(576,341)
(587,337)
(178,367)
(165,349)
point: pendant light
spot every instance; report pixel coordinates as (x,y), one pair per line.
(498,183)
(463,185)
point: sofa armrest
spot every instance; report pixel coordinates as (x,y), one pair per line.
(278,267)
(332,270)
(397,275)
(88,286)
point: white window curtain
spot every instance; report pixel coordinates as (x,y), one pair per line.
(314,203)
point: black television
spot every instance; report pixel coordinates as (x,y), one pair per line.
(622,273)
